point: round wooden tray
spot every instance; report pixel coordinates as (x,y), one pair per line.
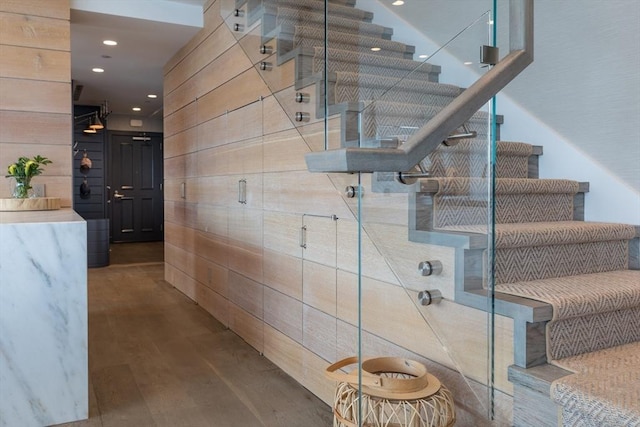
(32,204)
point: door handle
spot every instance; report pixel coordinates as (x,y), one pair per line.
(117,195)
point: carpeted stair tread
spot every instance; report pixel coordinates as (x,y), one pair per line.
(605,389)
(290,16)
(335,9)
(460,186)
(552,233)
(575,296)
(350,87)
(367,63)
(312,36)
(460,200)
(503,148)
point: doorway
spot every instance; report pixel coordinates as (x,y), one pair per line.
(135,201)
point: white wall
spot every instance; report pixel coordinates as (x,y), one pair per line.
(580,99)
(122,122)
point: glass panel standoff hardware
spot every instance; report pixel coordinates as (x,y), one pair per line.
(238,12)
(454,138)
(266,49)
(238,27)
(352,191)
(242,191)
(183,190)
(427,268)
(489,55)
(429,297)
(302,117)
(409,178)
(303,237)
(302,97)
(266,66)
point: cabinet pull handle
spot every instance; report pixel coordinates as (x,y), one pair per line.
(242,191)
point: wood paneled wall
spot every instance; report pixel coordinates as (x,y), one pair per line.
(35,90)
(229,124)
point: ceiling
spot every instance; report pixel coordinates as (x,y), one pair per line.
(134,68)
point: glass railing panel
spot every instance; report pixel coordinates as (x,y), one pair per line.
(346,243)
(379,98)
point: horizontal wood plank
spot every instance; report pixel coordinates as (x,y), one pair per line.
(205,52)
(283,313)
(247,326)
(54,8)
(238,92)
(35,64)
(35,128)
(53,97)
(34,31)
(283,273)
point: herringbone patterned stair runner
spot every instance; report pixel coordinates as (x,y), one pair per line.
(469,159)
(579,268)
(588,315)
(604,391)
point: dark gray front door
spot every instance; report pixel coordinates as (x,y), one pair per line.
(136,201)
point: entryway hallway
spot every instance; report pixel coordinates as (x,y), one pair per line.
(158,359)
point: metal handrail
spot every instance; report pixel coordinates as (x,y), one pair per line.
(431,135)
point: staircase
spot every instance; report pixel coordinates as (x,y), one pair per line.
(572,287)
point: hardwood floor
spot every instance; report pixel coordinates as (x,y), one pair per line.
(158,359)
(134,253)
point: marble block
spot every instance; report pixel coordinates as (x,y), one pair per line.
(43,318)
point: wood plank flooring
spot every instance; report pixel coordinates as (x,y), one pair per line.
(158,359)
(134,253)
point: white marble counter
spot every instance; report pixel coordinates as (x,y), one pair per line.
(43,318)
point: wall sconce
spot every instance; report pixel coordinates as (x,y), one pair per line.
(93,122)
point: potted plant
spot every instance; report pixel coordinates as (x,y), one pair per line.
(22,171)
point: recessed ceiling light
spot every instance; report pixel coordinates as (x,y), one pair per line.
(423,56)
(110,42)
(97,70)
(398,3)
(137,109)
(468,63)
(375,49)
(152,96)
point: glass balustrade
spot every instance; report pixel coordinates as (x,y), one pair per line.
(324,266)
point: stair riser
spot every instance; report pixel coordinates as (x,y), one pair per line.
(343,93)
(542,262)
(403,124)
(336,23)
(314,35)
(462,164)
(509,208)
(317,6)
(256,10)
(573,336)
(391,68)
